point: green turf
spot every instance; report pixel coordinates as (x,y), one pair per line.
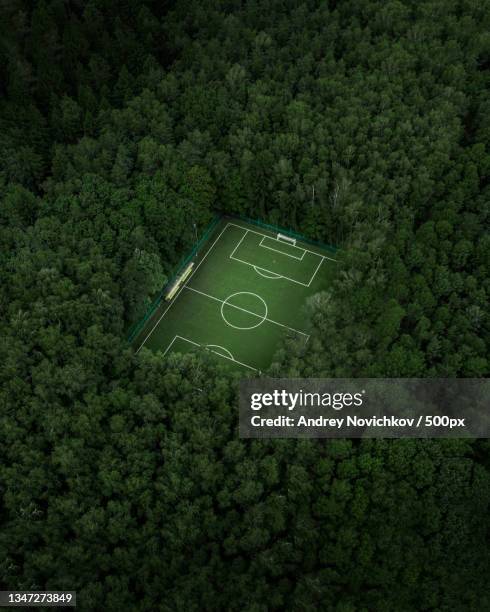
(247,292)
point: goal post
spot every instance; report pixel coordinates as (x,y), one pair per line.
(284,238)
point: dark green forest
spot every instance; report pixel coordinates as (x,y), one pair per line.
(364,124)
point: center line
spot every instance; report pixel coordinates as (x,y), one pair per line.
(211,297)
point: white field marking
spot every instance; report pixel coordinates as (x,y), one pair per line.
(239,242)
(168,347)
(272,275)
(231,358)
(218,346)
(257,268)
(269,272)
(211,297)
(314,273)
(245,365)
(181,338)
(264,246)
(261,234)
(225,303)
(182,288)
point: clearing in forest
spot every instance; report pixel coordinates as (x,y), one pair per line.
(243,292)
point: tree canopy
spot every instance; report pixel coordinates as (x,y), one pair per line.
(364,124)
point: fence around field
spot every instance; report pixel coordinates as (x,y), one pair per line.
(136,328)
(287,232)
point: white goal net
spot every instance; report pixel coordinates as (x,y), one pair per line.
(284,238)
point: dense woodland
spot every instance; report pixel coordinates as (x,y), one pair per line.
(360,123)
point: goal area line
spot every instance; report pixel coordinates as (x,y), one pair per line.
(282,252)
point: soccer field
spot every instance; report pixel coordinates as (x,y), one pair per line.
(246,292)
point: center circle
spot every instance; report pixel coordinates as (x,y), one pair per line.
(227,302)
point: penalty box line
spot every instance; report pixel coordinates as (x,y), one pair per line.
(210,350)
(314,273)
(292,280)
(211,297)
